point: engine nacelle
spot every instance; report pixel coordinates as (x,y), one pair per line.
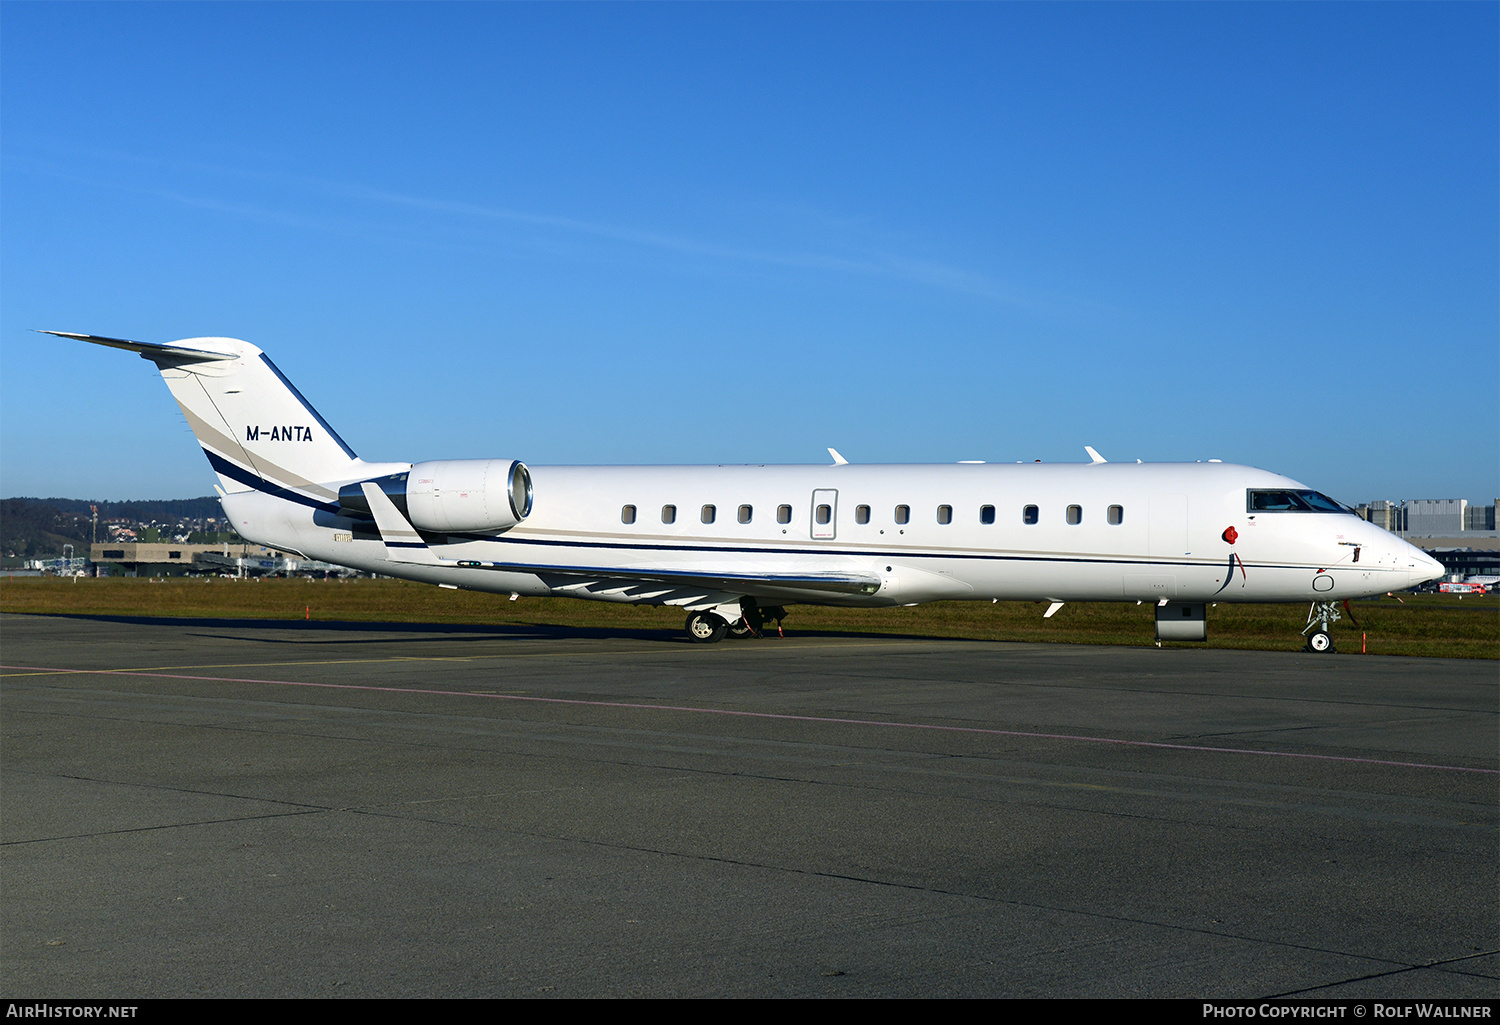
(468,494)
(447,495)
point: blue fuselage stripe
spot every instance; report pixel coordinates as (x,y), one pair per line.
(225,468)
(850,552)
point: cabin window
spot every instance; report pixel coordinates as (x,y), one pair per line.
(903,514)
(783,514)
(627,514)
(745,513)
(986,514)
(1116,515)
(708,514)
(1075,514)
(824,514)
(861,514)
(669,514)
(1029,514)
(945,514)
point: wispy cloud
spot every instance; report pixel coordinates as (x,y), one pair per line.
(860,256)
(872,262)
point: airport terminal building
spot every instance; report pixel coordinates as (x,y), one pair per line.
(160,559)
(1459,535)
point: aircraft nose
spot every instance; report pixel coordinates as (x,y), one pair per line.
(1423,568)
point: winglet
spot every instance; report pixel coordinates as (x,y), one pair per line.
(838,460)
(1095,456)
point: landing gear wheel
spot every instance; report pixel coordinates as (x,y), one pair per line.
(705,627)
(1320,641)
(740,628)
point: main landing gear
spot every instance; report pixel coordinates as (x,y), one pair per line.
(744,620)
(1320,617)
(705,627)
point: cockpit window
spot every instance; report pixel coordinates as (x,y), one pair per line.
(1290,501)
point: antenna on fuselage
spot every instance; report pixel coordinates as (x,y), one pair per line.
(838,460)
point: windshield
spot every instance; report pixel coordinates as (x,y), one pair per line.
(1291,501)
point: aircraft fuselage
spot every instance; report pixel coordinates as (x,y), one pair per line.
(1143,532)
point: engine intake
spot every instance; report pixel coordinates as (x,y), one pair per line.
(451,494)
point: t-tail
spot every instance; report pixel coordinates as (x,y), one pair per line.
(257,430)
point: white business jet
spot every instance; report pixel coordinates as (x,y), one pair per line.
(733,545)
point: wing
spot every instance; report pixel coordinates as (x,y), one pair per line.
(673,586)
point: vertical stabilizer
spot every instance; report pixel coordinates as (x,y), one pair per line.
(256,429)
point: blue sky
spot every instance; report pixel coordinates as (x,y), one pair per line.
(700,233)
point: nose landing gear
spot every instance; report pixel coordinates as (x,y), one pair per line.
(1320,617)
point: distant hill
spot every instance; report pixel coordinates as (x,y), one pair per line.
(37,527)
(165,510)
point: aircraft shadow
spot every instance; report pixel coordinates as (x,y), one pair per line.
(457,632)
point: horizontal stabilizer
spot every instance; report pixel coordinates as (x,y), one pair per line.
(151,350)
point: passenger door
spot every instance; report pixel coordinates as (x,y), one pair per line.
(825,510)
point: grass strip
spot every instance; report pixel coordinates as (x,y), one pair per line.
(1429,625)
